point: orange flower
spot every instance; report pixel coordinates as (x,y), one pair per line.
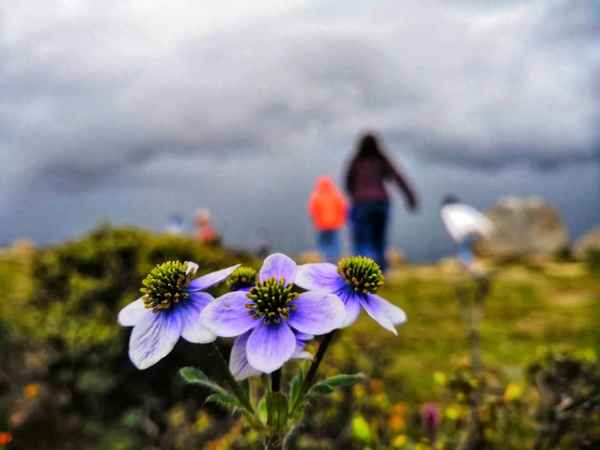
(5,438)
(31,390)
(376,385)
(396,422)
(399,408)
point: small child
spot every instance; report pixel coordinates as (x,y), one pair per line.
(328,210)
(205,232)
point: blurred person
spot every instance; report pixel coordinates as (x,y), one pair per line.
(263,249)
(465,226)
(365,182)
(174,224)
(328,210)
(205,232)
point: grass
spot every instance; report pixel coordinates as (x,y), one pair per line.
(530,310)
(69,312)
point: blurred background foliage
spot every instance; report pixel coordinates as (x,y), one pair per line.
(66,381)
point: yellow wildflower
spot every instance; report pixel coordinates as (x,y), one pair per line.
(399,441)
(513,392)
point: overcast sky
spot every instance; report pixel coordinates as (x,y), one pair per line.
(129,111)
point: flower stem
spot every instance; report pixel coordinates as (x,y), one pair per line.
(276,421)
(473,313)
(276,381)
(274,443)
(237,390)
(312,371)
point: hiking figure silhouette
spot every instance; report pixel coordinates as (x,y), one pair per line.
(365,182)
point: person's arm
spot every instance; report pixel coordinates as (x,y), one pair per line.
(403,184)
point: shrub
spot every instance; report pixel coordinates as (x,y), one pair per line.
(63,337)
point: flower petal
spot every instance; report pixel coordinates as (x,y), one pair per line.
(133,313)
(201,298)
(319,277)
(301,354)
(301,341)
(270,346)
(303,336)
(238,362)
(153,338)
(228,316)
(397,316)
(278,266)
(352,304)
(382,311)
(317,313)
(192,328)
(210,279)
(191,268)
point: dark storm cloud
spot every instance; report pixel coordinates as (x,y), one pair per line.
(90,93)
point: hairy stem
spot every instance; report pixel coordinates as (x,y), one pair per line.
(233,384)
(473,313)
(276,422)
(274,442)
(312,371)
(276,381)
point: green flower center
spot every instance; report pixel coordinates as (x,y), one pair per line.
(362,273)
(271,300)
(242,277)
(165,285)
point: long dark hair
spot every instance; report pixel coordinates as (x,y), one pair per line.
(368,148)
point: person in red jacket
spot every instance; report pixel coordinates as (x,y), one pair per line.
(365,182)
(328,210)
(205,232)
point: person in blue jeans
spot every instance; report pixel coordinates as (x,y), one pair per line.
(365,182)
(328,243)
(328,210)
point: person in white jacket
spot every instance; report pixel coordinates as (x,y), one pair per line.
(466,225)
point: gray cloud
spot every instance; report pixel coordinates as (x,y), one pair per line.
(88,91)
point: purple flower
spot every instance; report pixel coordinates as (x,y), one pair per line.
(170,308)
(355,281)
(241,369)
(430,419)
(271,321)
(430,416)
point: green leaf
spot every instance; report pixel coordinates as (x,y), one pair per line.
(321,388)
(295,386)
(328,385)
(277,409)
(224,399)
(262,410)
(345,379)
(193,375)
